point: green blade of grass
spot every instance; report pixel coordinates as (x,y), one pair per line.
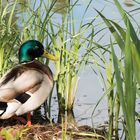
(11,15)
(129,86)
(120,38)
(114,32)
(132,31)
(1,58)
(118,80)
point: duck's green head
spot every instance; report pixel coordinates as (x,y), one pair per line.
(32,49)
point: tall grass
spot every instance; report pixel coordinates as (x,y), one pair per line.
(8,35)
(126,74)
(67,44)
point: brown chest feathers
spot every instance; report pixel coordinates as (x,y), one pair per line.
(19,69)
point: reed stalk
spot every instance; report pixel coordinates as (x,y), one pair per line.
(126,69)
(109,76)
(67,45)
(126,95)
(116,117)
(8,35)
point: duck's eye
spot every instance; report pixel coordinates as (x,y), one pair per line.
(31,52)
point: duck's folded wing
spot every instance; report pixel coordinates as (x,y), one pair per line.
(7,94)
(21,84)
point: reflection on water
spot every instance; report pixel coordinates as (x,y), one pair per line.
(86,99)
(129,3)
(61,6)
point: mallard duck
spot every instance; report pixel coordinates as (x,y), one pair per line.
(26,86)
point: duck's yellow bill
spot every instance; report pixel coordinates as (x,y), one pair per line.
(49,56)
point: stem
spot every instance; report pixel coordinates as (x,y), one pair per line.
(117,115)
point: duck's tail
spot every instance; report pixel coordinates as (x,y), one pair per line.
(3,107)
(8,109)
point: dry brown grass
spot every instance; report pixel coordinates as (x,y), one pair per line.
(13,130)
